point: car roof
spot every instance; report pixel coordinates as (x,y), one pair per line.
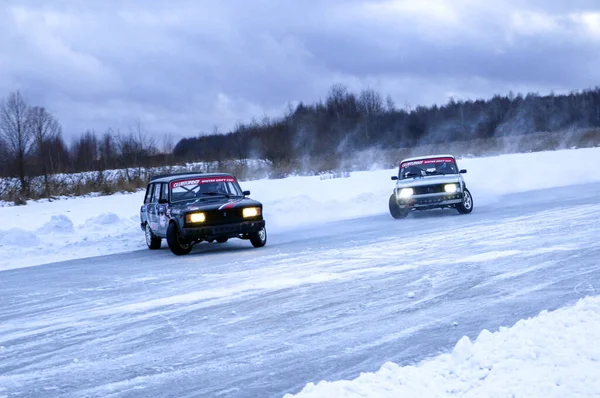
(427,157)
(179,176)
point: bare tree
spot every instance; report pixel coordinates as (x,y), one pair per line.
(107,150)
(44,128)
(136,149)
(4,159)
(389,104)
(371,106)
(168,144)
(13,127)
(84,152)
(145,147)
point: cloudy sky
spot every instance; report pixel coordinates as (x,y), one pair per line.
(183,67)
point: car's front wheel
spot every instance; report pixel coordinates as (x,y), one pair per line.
(466,206)
(152,241)
(177,245)
(259,238)
(396,211)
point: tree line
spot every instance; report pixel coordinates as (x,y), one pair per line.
(346,122)
(317,135)
(32,144)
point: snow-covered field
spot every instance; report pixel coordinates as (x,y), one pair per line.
(554,354)
(42,232)
(361,296)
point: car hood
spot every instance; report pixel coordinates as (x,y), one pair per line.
(428,180)
(218,203)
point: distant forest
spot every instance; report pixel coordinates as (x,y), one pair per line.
(345,122)
(32,144)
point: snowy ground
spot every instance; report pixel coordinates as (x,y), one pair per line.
(43,232)
(551,355)
(321,308)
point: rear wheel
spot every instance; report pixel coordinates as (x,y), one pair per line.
(152,241)
(177,245)
(396,211)
(222,239)
(259,238)
(466,206)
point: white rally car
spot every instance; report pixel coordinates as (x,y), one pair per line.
(429,182)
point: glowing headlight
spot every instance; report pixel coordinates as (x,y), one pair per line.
(450,188)
(406,192)
(195,217)
(251,212)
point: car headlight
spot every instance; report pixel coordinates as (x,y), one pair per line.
(251,212)
(406,192)
(195,217)
(450,188)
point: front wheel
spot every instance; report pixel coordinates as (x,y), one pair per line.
(177,245)
(395,210)
(466,206)
(259,238)
(152,241)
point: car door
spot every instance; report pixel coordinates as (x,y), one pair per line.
(161,209)
(152,207)
(144,218)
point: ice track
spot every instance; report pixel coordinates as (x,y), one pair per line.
(319,303)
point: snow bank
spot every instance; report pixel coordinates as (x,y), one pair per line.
(83,227)
(19,238)
(58,224)
(552,355)
(305,200)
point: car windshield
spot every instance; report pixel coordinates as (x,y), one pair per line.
(429,166)
(204,187)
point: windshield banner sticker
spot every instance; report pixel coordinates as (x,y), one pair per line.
(197,181)
(426,161)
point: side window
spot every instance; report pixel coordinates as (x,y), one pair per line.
(148,194)
(164,194)
(151,194)
(234,188)
(156,193)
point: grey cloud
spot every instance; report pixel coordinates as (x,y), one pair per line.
(185,66)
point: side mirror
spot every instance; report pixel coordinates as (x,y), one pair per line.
(394,178)
(163,201)
(246,193)
(463,171)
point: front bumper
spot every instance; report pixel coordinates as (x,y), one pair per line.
(214,231)
(431,200)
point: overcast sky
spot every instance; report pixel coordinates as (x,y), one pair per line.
(182,67)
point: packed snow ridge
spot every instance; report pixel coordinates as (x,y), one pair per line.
(555,354)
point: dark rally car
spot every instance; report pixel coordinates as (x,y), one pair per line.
(186,209)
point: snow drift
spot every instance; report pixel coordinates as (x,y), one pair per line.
(551,355)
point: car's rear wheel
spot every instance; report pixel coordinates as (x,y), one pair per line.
(177,245)
(396,211)
(152,241)
(222,239)
(466,206)
(259,238)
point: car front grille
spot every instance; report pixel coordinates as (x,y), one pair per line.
(224,216)
(220,217)
(428,189)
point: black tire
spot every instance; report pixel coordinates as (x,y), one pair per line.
(175,243)
(259,238)
(222,239)
(152,241)
(467,204)
(395,210)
